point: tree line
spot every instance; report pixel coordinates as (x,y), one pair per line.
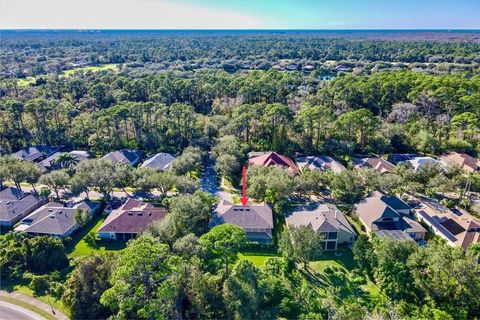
(381,113)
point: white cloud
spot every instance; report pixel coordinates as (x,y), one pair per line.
(119,14)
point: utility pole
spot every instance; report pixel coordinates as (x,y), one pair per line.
(49,302)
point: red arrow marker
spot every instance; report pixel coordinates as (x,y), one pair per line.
(244,197)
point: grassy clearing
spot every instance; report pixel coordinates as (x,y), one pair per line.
(27,306)
(111,66)
(26,81)
(78,247)
(68,73)
(257,257)
(341,258)
(337,271)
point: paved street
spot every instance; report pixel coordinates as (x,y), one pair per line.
(10,311)
(209,181)
(26,299)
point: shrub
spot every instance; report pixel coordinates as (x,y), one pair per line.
(39,285)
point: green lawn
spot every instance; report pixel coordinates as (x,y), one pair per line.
(335,270)
(68,73)
(26,81)
(78,247)
(257,257)
(341,258)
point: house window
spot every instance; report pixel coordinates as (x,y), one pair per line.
(332,235)
(331,245)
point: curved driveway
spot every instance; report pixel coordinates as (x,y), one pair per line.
(10,311)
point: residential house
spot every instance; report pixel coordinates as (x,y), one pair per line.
(35,153)
(388,216)
(293,67)
(275,159)
(15,204)
(463,160)
(160,161)
(397,158)
(308,68)
(457,226)
(419,162)
(325,219)
(123,156)
(48,163)
(320,163)
(418,69)
(55,219)
(376,163)
(129,220)
(256,220)
(341,68)
(254,154)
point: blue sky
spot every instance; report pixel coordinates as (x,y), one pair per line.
(240,14)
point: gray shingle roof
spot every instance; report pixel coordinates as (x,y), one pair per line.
(54,218)
(14,204)
(47,163)
(321,217)
(159,161)
(374,208)
(248,217)
(123,156)
(320,163)
(379,164)
(35,152)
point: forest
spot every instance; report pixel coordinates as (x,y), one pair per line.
(212,98)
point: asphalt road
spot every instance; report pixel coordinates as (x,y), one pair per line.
(10,311)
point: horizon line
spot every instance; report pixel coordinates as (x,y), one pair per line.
(235,29)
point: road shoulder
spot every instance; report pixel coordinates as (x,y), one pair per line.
(32,304)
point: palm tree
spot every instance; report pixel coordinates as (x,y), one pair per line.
(65,161)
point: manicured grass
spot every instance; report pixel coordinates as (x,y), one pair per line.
(341,258)
(257,257)
(335,270)
(78,247)
(27,306)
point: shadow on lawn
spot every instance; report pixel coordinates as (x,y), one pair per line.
(81,233)
(334,278)
(110,245)
(345,259)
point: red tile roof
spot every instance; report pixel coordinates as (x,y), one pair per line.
(275,159)
(133,217)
